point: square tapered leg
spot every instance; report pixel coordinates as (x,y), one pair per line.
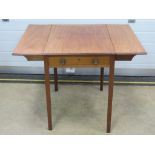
(110,93)
(48,95)
(101,78)
(56,79)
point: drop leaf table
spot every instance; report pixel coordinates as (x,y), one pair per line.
(61,46)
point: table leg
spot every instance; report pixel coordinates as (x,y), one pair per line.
(56,79)
(101,78)
(110,93)
(48,95)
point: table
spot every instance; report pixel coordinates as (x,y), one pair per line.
(79,46)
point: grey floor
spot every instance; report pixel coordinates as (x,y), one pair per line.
(77,109)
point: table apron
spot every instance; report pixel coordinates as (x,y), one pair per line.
(80,61)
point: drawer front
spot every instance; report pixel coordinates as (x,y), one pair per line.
(79,61)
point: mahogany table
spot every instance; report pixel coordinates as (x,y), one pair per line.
(79,46)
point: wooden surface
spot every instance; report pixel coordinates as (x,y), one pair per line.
(124,40)
(110,92)
(78,45)
(79,40)
(101,78)
(33,41)
(79,61)
(56,79)
(48,94)
(41,57)
(75,40)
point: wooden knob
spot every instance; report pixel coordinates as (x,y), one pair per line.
(62,61)
(95,61)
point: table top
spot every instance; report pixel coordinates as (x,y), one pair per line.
(79,40)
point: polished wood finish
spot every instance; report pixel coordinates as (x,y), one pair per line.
(33,41)
(101,78)
(124,40)
(79,40)
(117,57)
(56,79)
(110,92)
(48,94)
(79,61)
(79,46)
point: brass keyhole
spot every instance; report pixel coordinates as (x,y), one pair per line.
(62,61)
(95,61)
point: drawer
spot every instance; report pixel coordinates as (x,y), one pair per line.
(79,61)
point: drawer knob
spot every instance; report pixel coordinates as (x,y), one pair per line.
(95,61)
(62,61)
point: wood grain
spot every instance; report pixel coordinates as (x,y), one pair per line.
(75,40)
(124,40)
(79,40)
(48,94)
(33,41)
(101,78)
(56,79)
(79,61)
(110,92)
(79,46)
(117,57)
